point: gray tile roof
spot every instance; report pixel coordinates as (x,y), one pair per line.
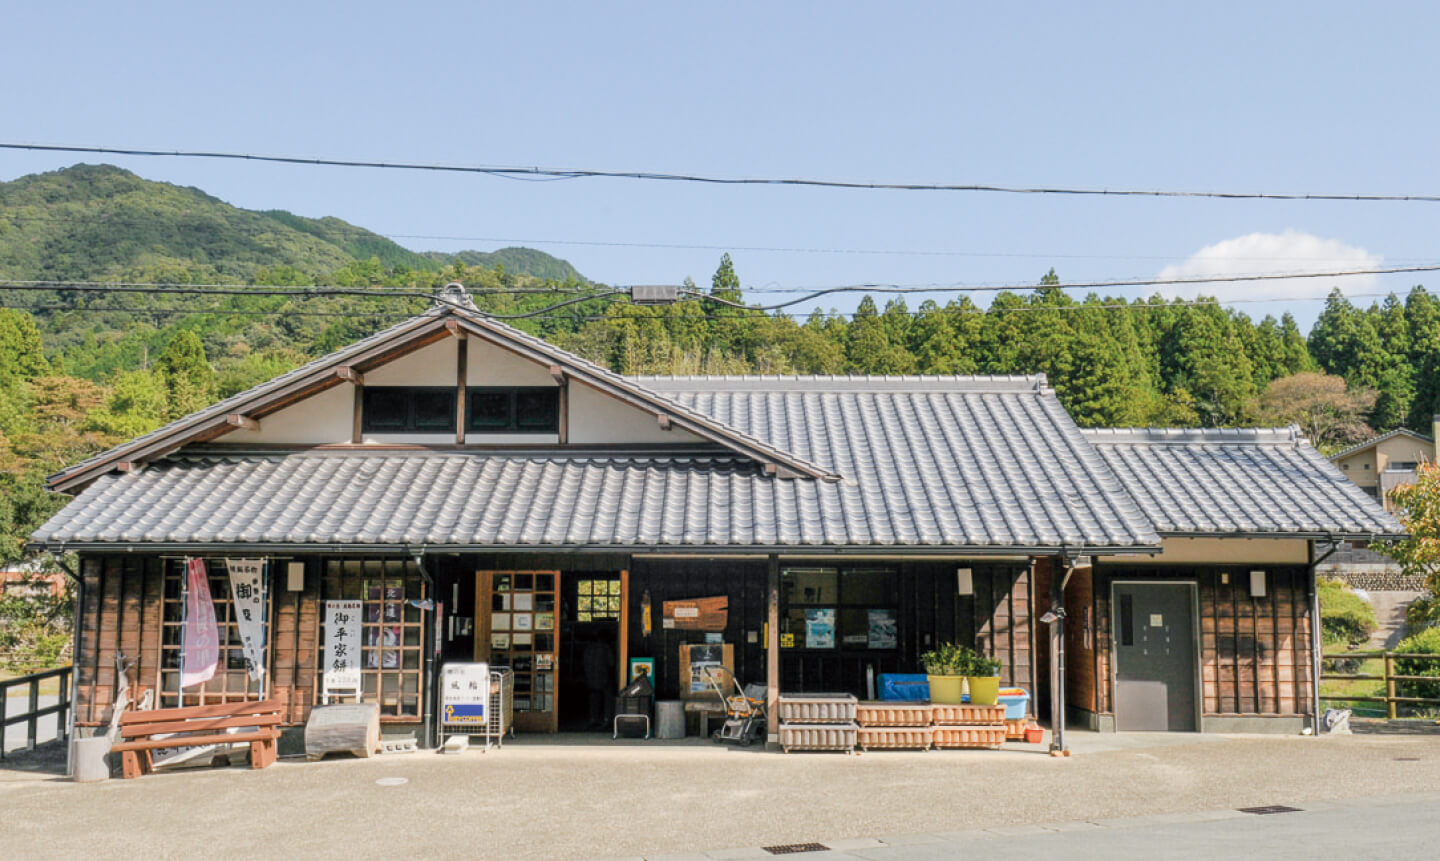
(474,500)
(1361,446)
(1239,482)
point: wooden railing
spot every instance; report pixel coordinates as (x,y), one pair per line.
(1388,677)
(33,712)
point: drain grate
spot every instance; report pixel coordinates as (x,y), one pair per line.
(796,848)
(1269,809)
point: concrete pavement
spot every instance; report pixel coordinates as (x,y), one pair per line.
(1391,827)
(556,798)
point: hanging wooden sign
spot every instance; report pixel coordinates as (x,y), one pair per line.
(696,614)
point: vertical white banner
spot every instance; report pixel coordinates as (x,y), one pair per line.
(247,590)
(342,645)
(200,635)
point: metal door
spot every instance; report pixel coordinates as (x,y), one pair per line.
(1155,674)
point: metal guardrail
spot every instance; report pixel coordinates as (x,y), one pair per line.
(32,714)
(1389,677)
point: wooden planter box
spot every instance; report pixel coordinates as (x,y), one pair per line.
(817,708)
(894,714)
(992,738)
(812,736)
(969,715)
(895,737)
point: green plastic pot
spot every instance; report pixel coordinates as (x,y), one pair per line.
(948,689)
(984,690)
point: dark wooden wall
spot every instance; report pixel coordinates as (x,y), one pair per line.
(119,613)
(1255,653)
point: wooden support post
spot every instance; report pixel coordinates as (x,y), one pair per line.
(462,367)
(1390,685)
(625,627)
(1057,657)
(357,427)
(772,651)
(564,419)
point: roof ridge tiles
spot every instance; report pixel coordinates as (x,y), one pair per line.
(1290,436)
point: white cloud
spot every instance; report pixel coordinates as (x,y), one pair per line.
(1278,254)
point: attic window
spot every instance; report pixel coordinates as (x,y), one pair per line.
(513,410)
(396,409)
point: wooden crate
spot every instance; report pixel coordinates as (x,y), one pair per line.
(818,708)
(1015,729)
(890,713)
(895,737)
(991,737)
(812,736)
(969,715)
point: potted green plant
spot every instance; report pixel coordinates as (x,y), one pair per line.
(983,677)
(945,668)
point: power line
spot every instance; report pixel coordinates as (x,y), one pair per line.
(367,234)
(544,173)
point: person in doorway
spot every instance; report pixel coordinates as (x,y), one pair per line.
(599,665)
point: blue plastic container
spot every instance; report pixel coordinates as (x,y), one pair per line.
(1016,702)
(908,687)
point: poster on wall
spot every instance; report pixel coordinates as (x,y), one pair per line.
(342,645)
(247,590)
(882,633)
(695,614)
(199,636)
(820,629)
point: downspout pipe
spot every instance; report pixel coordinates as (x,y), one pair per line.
(428,694)
(75,624)
(1055,618)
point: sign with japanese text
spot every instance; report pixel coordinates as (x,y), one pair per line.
(247,590)
(199,637)
(342,645)
(465,693)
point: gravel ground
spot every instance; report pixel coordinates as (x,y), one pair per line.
(556,798)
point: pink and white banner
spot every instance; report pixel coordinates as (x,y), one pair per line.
(200,638)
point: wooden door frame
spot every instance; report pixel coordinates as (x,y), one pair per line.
(483,584)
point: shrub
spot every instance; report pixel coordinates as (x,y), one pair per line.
(1346,619)
(1423,612)
(1426,642)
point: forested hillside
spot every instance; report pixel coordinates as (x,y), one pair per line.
(81,370)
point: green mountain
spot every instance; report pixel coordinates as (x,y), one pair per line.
(91,222)
(521,261)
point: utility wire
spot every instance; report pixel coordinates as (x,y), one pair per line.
(815,293)
(233,223)
(533,173)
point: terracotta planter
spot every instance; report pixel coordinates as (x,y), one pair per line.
(1034,735)
(984,690)
(947,689)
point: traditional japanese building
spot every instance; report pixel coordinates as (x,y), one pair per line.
(487,496)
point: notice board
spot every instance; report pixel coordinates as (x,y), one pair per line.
(696,614)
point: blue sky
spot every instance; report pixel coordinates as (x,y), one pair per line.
(1303,97)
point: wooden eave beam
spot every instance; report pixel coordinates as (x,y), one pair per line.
(453,327)
(349,374)
(235,420)
(664,421)
(557,373)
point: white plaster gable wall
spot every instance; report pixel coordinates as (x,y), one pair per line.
(325,417)
(595,417)
(490,365)
(428,366)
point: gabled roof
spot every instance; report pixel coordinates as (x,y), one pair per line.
(1398,432)
(1240,482)
(934,465)
(388,343)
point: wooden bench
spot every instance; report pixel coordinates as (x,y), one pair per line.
(259,723)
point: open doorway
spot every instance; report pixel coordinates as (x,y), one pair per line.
(589,651)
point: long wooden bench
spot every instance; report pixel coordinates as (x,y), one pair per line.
(259,724)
